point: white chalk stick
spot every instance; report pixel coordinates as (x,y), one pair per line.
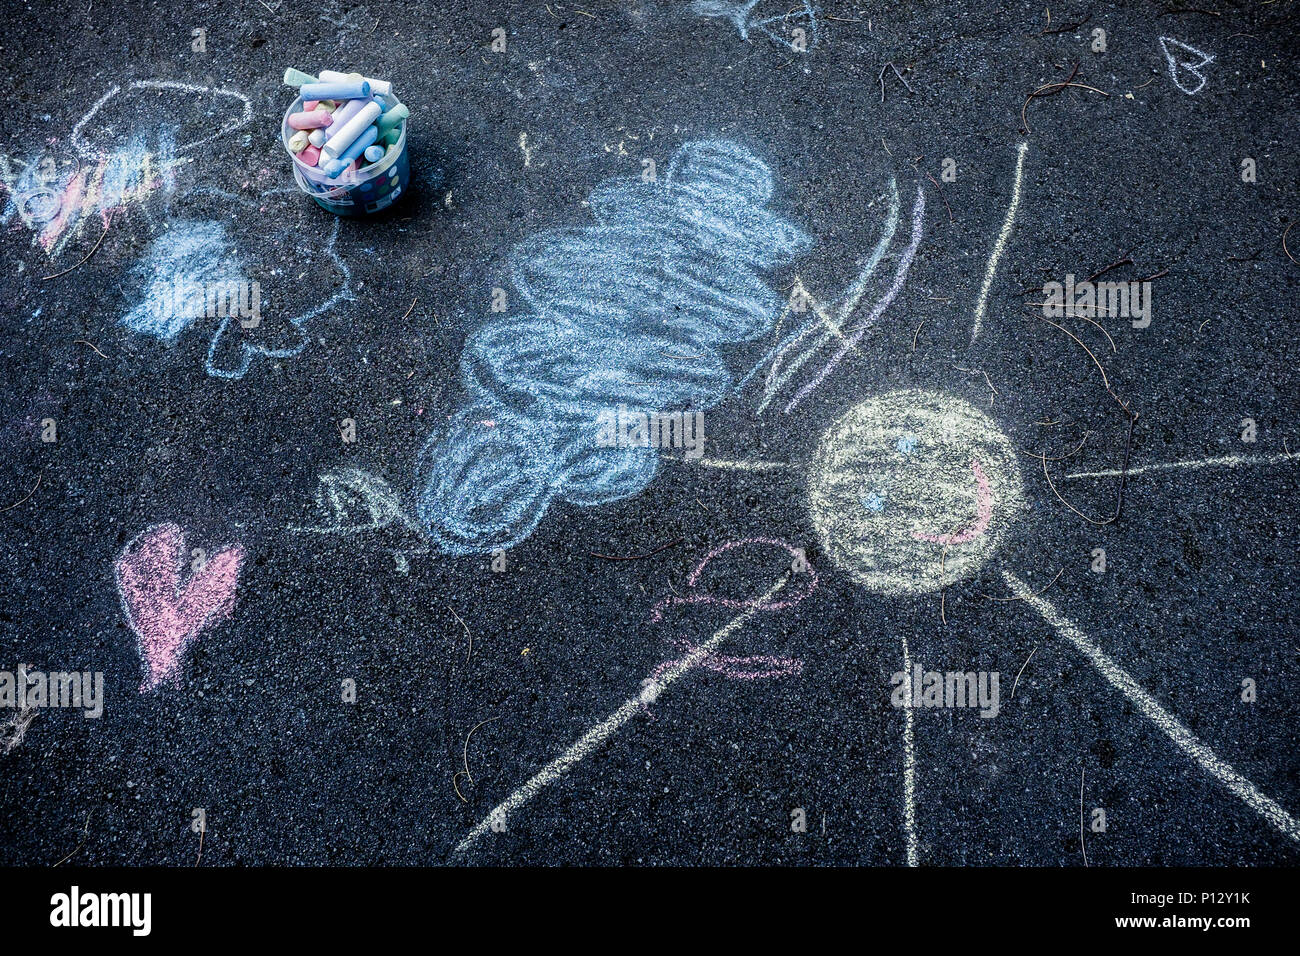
(382,87)
(337,144)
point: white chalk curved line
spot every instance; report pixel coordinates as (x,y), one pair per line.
(1227,461)
(85,149)
(1001,244)
(1173,728)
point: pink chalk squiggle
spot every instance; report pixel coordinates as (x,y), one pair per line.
(983,514)
(165,613)
(752,667)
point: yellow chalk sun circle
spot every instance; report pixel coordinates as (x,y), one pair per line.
(913,490)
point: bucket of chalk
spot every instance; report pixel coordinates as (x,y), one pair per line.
(359,191)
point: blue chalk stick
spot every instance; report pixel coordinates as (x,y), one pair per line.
(334,91)
(367,138)
(374,154)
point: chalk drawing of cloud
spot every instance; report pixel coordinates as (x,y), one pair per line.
(186,266)
(628,312)
(213,112)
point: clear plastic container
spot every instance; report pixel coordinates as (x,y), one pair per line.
(368,190)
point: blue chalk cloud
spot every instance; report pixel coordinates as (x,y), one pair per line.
(191,262)
(174,272)
(628,312)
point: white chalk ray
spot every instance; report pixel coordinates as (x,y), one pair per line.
(1171,726)
(1224,461)
(651,690)
(909,771)
(1000,245)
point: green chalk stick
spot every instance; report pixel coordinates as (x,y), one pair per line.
(392,118)
(294,77)
(391,137)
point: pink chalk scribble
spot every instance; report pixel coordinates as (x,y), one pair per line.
(983,514)
(165,613)
(60,208)
(752,667)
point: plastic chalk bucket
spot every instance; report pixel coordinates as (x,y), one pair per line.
(360,193)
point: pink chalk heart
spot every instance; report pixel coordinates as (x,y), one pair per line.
(165,611)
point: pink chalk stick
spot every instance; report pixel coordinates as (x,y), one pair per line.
(165,612)
(313,119)
(310,104)
(309,155)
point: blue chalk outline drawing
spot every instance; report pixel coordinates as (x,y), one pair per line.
(200,251)
(249,352)
(738,12)
(628,312)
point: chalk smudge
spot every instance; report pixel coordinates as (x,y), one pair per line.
(670,269)
(166,613)
(740,13)
(200,252)
(57,200)
(187,257)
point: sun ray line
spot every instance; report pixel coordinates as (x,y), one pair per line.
(1151,708)
(1000,246)
(651,689)
(909,769)
(1225,461)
